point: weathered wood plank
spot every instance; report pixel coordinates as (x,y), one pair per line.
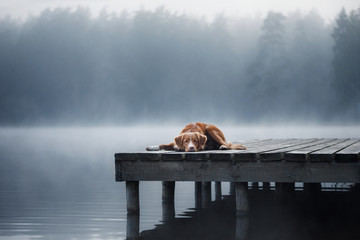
(350,153)
(268,145)
(251,153)
(278,154)
(303,154)
(240,171)
(328,153)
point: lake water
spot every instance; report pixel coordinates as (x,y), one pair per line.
(59,183)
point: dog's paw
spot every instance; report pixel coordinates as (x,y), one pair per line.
(241,147)
(176,149)
(152,148)
(223,147)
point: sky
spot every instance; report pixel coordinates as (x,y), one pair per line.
(328,9)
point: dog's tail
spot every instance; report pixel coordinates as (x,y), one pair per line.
(234,146)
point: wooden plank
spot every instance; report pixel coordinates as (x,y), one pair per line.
(275,145)
(172,156)
(251,153)
(303,154)
(328,153)
(227,171)
(221,155)
(350,153)
(266,145)
(252,142)
(278,154)
(271,146)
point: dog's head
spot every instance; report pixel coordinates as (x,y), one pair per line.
(191,142)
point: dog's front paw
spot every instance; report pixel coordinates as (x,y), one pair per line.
(176,149)
(223,147)
(152,148)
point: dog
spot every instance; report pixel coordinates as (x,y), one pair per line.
(198,137)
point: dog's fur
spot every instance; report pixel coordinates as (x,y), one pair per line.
(198,137)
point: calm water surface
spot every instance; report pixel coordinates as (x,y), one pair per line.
(58,183)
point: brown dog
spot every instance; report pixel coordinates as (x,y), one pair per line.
(198,137)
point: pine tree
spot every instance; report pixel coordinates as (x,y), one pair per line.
(268,70)
(347,61)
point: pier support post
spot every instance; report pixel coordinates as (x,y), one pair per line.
(232,188)
(168,205)
(266,186)
(312,190)
(168,190)
(198,195)
(132,226)
(132,197)
(217,191)
(206,194)
(132,203)
(242,226)
(242,202)
(284,190)
(242,208)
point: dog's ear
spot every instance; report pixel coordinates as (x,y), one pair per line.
(203,140)
(178,141)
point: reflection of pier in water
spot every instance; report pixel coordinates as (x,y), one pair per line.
(283,161)
(301,213)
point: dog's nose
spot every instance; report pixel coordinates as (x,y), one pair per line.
(191,149)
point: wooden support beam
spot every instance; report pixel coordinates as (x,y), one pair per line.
(168,190)
(168,211)
(266,186)
(206,194)
(218,191)
(284,190)
(198,195)
(132,226)
(232,188)
(242,227)
(242,202)
(312,188)
(132,196)
(168,196)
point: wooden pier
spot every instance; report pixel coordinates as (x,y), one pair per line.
(283,161)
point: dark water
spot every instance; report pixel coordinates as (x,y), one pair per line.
(58,183)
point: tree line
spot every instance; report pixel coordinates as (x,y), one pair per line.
(66,66)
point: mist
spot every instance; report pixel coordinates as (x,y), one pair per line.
(65,66)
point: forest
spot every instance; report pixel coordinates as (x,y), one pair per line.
(66,66)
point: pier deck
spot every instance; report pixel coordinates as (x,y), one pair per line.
(280,160)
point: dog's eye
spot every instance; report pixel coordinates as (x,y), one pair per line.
(186,141)
(195,141)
